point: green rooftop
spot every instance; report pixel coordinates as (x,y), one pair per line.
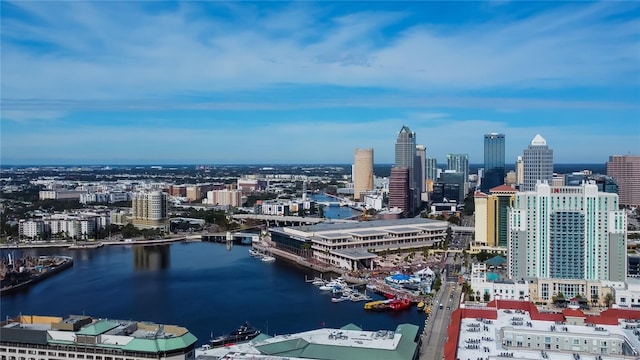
(97,328)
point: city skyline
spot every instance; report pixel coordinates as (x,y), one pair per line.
(304,82)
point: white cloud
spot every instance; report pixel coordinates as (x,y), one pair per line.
(141,55)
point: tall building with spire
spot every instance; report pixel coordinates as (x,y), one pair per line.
(362,172)
(406,158)
(537,161)
(493,162)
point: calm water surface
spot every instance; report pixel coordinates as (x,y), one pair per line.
(202,286)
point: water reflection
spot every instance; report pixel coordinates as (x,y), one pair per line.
(155,257)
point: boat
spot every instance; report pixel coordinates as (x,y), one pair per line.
(427,310)
(397,305)
(254,253)
(389,296)
(318,282)
(370,305)
(268,259)
(340,299)
(420,306)
(243,334)
(15,280)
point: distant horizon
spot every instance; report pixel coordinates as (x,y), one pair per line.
(240,82)
(258,164)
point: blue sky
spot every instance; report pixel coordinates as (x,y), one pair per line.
(308,82)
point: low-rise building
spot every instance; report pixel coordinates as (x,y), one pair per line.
(348,342)
(82,337)
(517,329)
(352,245)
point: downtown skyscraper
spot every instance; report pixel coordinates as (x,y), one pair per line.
(625,170)
(362,172)
(406,158)
(537,160)
(493,162)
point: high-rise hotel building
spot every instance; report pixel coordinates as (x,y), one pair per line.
(150,210)
(568,232)
(625,170)
(399,189)
(492,219)
(537,160)
(362,172)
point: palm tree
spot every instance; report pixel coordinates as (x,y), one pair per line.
(608,299)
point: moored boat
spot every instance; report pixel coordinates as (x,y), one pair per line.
(370,305)
(420,306)
(268,259)
(242,334)
(397,305)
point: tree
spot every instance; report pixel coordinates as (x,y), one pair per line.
(608,299)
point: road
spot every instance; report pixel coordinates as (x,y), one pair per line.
(438,323)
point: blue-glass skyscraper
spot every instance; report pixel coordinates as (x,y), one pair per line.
(493,162)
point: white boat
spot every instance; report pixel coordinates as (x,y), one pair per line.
(268,259)
(325,288)
(254,253)
(318,282)
(340,299)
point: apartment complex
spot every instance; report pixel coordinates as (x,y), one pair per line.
(537,162)
(570,232)
(625,169)
(362,172)
(150,210)
(82,337)
(231,198)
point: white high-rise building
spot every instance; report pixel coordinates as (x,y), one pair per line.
(537,163)
(569,232)
(421,167)
(519,171)
(150,210)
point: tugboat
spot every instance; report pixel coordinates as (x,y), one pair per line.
(242,334)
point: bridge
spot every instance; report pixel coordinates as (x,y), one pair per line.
(276,220)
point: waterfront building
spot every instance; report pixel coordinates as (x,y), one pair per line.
(285,207)
(492,219)
(537,160)
(405,157)
(82,337)
(150,210)
(31,228)
(494,170)
(350,245)
(399,191)
(625,170)
(570,232)
(517,329)
(421,166)
(519,171)
(362,172)
(348,342)
(231,198)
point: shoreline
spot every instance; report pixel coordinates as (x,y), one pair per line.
(88,244)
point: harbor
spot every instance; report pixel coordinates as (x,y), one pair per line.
(223,289)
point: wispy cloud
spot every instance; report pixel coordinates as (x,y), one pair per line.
(89,54)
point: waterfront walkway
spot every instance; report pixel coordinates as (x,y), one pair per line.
(88,244)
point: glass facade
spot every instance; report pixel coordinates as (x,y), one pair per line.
(567,245)
(493,162)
